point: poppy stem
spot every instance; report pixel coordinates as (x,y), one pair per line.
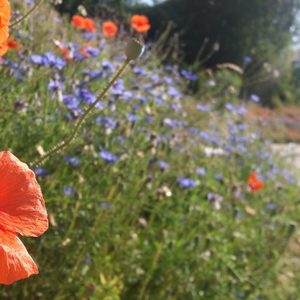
(59,147)
(26,15)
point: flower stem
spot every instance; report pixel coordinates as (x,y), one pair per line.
(153,267)
(59,147)
(27,14)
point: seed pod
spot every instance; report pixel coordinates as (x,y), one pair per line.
(134,49)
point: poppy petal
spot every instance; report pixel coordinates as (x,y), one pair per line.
(3,34)
(3,48)
(4,12)
(22,206)
(15,262)
(78,22)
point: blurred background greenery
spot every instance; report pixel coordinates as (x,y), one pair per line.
(259,35)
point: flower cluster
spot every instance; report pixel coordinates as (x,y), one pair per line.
(139,23)
(83,23)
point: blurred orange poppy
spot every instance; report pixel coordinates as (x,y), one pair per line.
(4,20)
(109,29)
(140,23)
(22,211)
(254,183)
(78,22)
(82,23)
(3,48)
(67,53)
(89,25)
(10,43)
(13,44)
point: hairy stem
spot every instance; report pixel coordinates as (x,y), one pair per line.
(27,14)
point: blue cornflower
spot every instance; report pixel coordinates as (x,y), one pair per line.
(92,74)
(201,171)
(71,102)
(143,99)
(106,122)
(174,123)
(49,59)
(40,172)
(204,108)
(92,51)
(168,80)
(69,191)
(118,88)
(189,75)
(136,107)
(139,71)
(55,85)
(127,95)
(186,182)
(72,160)
(108,156)
(108,66)
(89,35)
(148,119)
(132,117)
(155,78)
(175,106)
(36,59)
(173,92)
(159,101)
(16,69)
(271,206)
(87,96)
(163,165)
(255,98)
(218,177)
(247,60)
(229,107)
(241,110)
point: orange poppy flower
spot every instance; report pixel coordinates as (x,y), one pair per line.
(10,43)
(13,44)
(109,29)
(89,25)
(140,23)
(67,53)
(78,22)
(4,20)
(254,183)
(22,211)
(3,48)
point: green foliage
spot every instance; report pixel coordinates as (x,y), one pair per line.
(256,28)
(105,8)
(205,33)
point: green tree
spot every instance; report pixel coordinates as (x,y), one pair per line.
(257,28)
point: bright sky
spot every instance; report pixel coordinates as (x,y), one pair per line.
(147,1)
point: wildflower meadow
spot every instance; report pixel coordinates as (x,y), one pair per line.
(118,182)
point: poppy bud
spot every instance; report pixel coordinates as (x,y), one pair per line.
(134,49)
